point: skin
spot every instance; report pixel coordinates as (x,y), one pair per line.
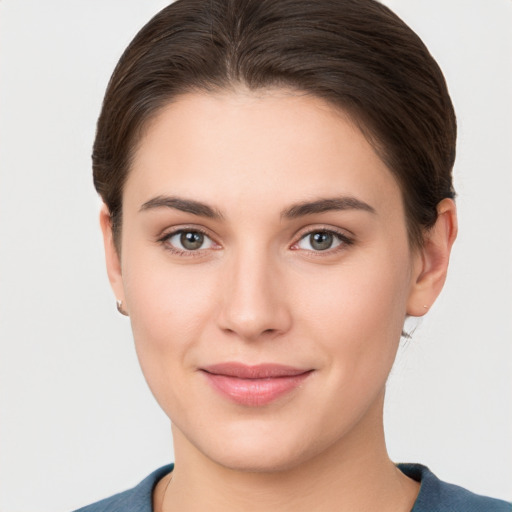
(257,291)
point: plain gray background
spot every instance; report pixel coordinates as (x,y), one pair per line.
(77,421)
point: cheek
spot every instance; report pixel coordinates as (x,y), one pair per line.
(357,315)
(165,299)
(170,307)
(354,320)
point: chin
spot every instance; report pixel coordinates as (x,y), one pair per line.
(247,448)
(259,459)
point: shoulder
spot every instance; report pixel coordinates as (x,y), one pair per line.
(438,496)
(137,499)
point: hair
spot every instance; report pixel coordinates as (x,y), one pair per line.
(355,54)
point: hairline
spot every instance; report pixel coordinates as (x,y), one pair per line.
(238,86)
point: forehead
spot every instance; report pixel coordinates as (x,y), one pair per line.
(256,149)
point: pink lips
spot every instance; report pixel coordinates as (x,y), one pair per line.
(254,385)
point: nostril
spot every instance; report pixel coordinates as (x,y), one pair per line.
(252,306)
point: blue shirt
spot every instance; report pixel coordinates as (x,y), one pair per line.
(434,495)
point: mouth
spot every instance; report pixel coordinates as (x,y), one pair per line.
(254,385)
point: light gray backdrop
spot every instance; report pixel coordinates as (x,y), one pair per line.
(76,419)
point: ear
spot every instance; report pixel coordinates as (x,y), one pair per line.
(432,259)
(112,257)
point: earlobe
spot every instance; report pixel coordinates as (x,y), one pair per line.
(112,257)
(432,260)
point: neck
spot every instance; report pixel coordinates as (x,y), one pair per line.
(355,474)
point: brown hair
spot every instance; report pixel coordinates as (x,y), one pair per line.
(356,54)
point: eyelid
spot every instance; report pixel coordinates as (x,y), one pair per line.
(168,233)
(344,236)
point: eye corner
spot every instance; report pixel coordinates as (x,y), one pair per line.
(337,241)
(179,247)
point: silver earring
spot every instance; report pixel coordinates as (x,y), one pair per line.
(426,307)
(119,304)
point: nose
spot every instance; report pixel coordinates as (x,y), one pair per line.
(253,298)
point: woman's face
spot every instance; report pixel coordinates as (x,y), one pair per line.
(267,272)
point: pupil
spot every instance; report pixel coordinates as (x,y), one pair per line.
(321,241)
(191,240)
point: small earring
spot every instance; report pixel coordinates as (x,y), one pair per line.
(119,304)
(426,307)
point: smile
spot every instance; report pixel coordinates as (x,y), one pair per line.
(254,385)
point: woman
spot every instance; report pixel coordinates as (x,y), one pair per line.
(276,179)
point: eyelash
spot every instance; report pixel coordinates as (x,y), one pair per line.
(343,238)
(345,241)
(180,252)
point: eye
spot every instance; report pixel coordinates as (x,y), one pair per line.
(188,240)
(322,240)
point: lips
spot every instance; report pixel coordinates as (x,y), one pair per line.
(254,385)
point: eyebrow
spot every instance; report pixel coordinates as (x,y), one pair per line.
(326,205)
(293,212)
(184,205)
